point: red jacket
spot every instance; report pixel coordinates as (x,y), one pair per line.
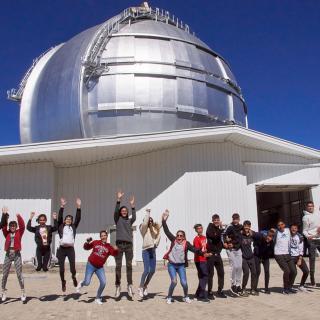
(17,236)
(100,252)
(200,243)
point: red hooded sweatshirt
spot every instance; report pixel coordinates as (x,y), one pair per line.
(17,235)
(100,252)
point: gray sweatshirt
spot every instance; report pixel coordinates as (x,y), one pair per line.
(311,222)
(124,225)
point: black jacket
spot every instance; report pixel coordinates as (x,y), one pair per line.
(74,225)
(214,238)
(37,235)
(262,248)
(246,244)
(232,234)
(189,246)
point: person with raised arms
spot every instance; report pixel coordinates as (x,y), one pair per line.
(67,229)
(124,241)
(43,238)
(177,257)
(101,250)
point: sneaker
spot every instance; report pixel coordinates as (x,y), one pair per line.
(23,296)
(79,286)
(254,292)
(239,289)
(145,292)
(169,300)
(130,291)
(98,301)
(63,284)
(285,291)
(203,300)
(221,294)
(303,289)
(234,290)
(244,293)
(140,292)
(4,296)
(267,291)
(38,269)
(210,294)
(187,299)
(291,290)
(75,282)
(117,294)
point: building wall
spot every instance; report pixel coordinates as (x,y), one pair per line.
(25,188)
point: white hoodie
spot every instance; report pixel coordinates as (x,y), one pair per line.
(311,222)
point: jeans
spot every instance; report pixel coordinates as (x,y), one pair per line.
(62,254)
(173,269)
(289,269)
(125,248)
(304,268)
(249,266)
(90,270)
(266,266)
(202,268)
(149,266)
(235,260)
(313,246)
(215,261)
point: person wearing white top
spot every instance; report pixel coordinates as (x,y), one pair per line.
(282,240)
(296,252)
(311,230)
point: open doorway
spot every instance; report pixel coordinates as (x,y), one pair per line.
(285,202)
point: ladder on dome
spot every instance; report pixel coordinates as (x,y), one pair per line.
(16,94)
(93,68)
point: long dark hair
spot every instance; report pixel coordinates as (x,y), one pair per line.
(41,216)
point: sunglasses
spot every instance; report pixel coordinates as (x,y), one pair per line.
(180,235)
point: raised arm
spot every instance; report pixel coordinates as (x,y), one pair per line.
(29,227)
(4,221)
(54,228)
(144,225)
(166,230)
(78,213)
(117,208)
(21,224)
(63,202)
(133,210)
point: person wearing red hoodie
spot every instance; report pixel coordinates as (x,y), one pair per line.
(101,250)
(12,247)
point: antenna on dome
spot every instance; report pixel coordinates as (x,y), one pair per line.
(145,5)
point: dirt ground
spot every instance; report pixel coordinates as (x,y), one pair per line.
(45,299)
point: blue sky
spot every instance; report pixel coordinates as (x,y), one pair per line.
(272,46)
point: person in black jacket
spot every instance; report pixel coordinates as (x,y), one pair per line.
(248,262)
(232,243)
(215,245)
(178,258)
(263,251)
(43,239)
(67,229)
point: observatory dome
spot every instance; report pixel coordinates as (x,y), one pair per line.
(141,71)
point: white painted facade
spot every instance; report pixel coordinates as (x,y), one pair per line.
(193,173)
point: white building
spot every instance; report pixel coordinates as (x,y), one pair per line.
(194,173)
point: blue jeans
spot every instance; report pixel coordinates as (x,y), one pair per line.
(173,269)
(149,266)
(90,270)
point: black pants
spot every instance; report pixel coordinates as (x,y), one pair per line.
(313,246)
(289,269)
(125,248)
(304,268)
(249,267)
(43,254)
(215,261)
(266,267)
(62,254)
(202,268)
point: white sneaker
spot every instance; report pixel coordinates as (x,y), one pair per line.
(98,301)
(169,300)
(79,286)
(187,299)
(23,296)
(130,291)
(145,292)
(3,296)
(118,290)
(140,292)
(303,289)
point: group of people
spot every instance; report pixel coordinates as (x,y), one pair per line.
(247,250)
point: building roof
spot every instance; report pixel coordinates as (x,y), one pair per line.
(85,151)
